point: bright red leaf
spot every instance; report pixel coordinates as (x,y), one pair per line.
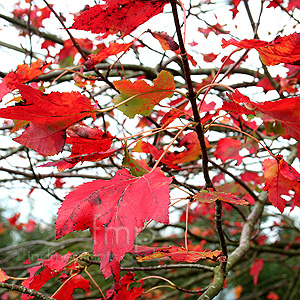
(70,284)
(287,111)
(86,140)
(281,50)
(144,147)
(176,253)
(210,196)
(115,211)
(30,226)
(192,152)
(145,97)
(256,268)
(112,49)
(280,179)
(51,268)
(170,116)
(23,74)
(228,148)
(70,162)
(118,16)
(123,291)
(50,114)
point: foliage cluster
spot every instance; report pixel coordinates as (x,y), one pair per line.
(187,160)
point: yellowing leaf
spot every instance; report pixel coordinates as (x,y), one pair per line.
(144,96)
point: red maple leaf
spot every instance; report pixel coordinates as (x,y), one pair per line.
(50,114)
(112,49)
(176,253)
(280,179)
(70,162)
(23,74)
(66,55)
(272,296)
(287,111)
(115,211)
(70,284)
(209,57)
(168,43)
(51,268)
(256,268)
(89,144)
(86,140)
(123,291)
(281,50)
(192,152)
(210,196)
(116,15)
(228,148)
(171,116)
(144,147)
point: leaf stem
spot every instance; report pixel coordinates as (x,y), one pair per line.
(95,283)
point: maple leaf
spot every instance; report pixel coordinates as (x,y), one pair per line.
(287,111)
(211,196)
(156,153)
(50,114)
(70,284)
(115,211)
(168,43)
(280,179)
(210,57)
(89,144)
(112,49)
(116,15)
(51,268)
(123,290)
(193,150)
(170,116)
(23,74)
(176,253)
(256,268)
(86,140)
(281,50)
(144,96)
(66,55)
(70,162)
(228,148)
(3,276)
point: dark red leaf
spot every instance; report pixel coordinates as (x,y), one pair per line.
(115,16)
(76,282)
(228,148)
(115,211)
(112,49)
(256,268)
(123,290)
(281,50)
(50,114)
(280,179)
